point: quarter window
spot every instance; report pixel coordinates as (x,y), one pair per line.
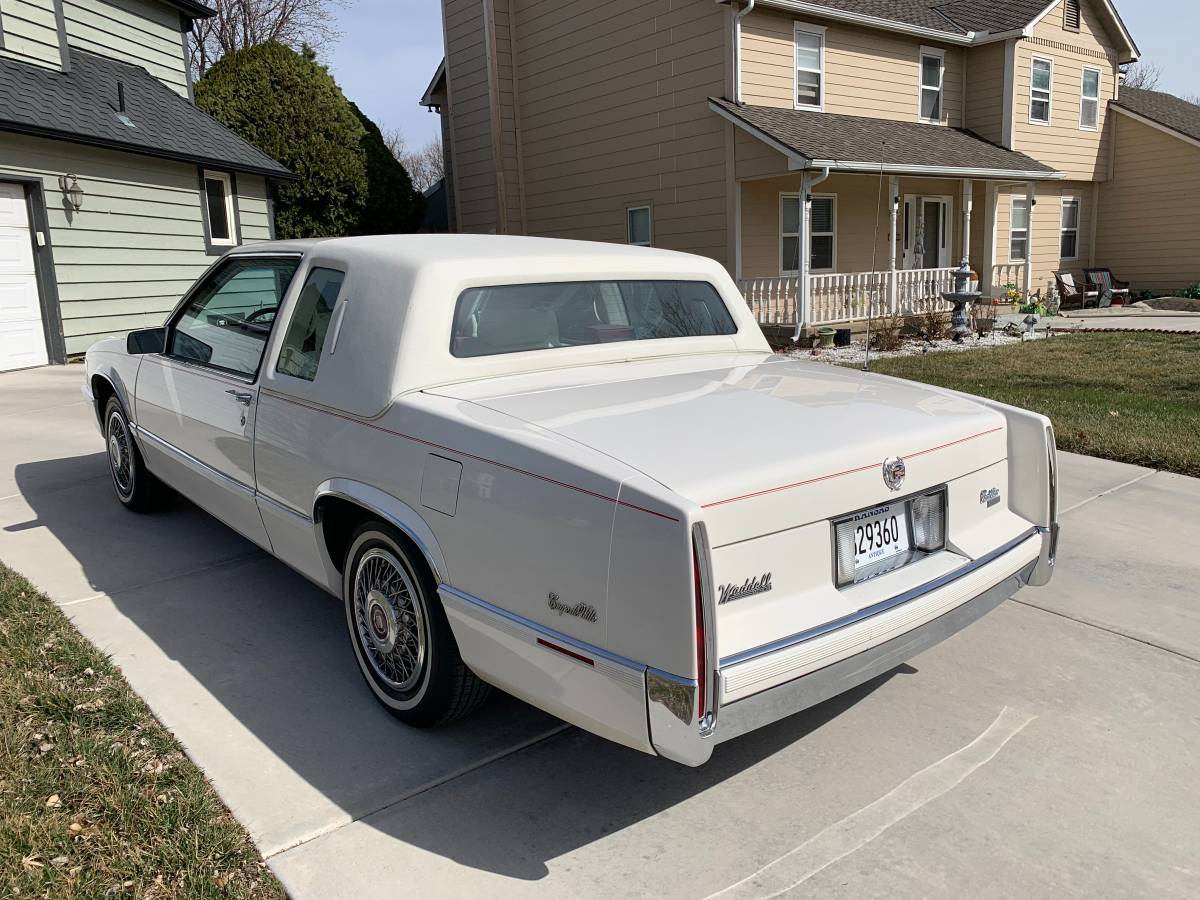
(1040,86)
(1089,100)
(220,218)
(933,67)
(822,236)
(637,225)
(301,351)
(810,64)
(1069,229)
(227,319)
(1018,232)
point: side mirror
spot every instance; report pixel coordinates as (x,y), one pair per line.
(148,340)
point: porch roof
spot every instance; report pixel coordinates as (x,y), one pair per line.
(812,140)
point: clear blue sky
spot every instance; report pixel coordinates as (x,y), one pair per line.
(390,48)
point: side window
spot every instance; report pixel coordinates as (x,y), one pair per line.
(228,319)
(301,351)
(220,217)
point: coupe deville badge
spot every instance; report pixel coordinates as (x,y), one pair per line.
(893,472)
(584,611)
(990,497)
(748,588)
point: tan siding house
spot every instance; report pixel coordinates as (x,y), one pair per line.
(835,161)
(115,191)
(1149,213)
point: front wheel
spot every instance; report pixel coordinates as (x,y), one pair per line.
(400,633)
(136,488)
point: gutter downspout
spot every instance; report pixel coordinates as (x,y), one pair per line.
(807,183)
(737,50)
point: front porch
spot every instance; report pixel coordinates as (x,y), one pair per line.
(873,249)
(843,217)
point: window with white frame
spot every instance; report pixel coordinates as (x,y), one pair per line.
(637,224)
(220,221)
(1069,229)
(1018,230)
(822,241)
(933,72)
(1089,99)
(810,66)
(1040,86)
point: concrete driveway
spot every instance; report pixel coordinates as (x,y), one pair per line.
(1052,749)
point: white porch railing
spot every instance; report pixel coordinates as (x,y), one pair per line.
(1006,274)
(847,296)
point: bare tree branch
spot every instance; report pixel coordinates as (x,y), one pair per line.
(246,23)
(1144,75)
(425,165)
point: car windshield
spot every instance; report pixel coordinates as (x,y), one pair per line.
(516,317)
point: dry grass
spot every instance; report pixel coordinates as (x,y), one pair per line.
(96,797)
(1129,397)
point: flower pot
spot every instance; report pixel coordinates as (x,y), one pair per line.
(825,336)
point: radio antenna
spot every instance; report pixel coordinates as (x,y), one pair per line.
(874,256)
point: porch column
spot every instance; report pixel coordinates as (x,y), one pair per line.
(894,203)
(1030,202)
(804,248)
(988,250)
(968,201)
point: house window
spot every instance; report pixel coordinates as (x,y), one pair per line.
(810,65)
(1071,15)
(637,225)
(1069,229)
(933,69)
(1040,82)
(822,240)
(220,220)
(1089,99)
(1018,230)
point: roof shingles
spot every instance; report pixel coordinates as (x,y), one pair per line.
(952,16)
(82,105)
(1165,109)
(860,139)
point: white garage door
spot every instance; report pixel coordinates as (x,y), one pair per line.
(22,335)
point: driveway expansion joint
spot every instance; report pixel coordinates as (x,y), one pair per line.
(1113,631)
(1111,490)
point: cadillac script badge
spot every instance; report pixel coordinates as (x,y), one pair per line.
(893,472)
(748,588)
(584,611)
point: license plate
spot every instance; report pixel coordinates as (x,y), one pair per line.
(879,535)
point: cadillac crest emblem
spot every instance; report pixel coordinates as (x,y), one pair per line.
(893,472)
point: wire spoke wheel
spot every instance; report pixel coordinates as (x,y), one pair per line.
(389,616)
(120,454)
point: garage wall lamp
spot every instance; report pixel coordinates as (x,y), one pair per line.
(69,185)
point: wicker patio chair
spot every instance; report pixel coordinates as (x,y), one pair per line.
(1102,282)
(1072,296)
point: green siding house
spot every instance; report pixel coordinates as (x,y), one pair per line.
(116,192)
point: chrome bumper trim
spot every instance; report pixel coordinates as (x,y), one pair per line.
(816,687)
(881,607)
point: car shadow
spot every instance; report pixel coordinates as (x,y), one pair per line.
(271,649)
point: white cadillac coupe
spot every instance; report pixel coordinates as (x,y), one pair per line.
(576,472)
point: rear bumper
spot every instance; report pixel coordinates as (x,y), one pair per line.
(779,702)
(808,669)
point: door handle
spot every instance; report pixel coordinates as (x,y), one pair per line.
(243,397)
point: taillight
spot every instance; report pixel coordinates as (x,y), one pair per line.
(701,653)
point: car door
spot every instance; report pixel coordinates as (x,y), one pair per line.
(195,402)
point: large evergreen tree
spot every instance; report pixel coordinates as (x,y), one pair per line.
(289,106)
(391,205)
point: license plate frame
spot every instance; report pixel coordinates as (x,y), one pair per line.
(890,562)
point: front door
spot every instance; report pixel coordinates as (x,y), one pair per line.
(22,334)
(927,234)
(195,402)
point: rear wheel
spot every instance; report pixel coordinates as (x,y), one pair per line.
(136,488)
(400,634)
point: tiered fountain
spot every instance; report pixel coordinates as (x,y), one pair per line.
(960,297)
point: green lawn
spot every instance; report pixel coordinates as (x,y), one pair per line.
(96,797)
(1123,396)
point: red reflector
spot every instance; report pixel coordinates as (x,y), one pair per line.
(701,654)
(565,652)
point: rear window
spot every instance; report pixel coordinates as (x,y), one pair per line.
(516,317)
